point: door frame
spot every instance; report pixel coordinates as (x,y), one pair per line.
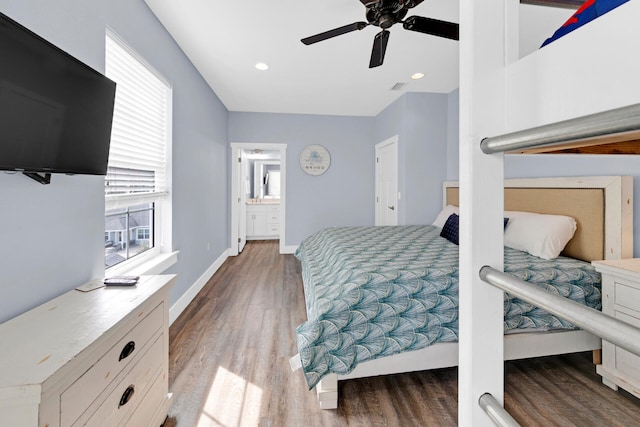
(238,197)
(393,141)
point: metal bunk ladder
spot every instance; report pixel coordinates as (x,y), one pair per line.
(620,121)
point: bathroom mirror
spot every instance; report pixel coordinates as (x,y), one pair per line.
(266,179)
(261,170)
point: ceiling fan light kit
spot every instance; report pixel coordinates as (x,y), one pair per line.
(384,14)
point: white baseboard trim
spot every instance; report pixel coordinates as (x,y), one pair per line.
(288,249)
(182,303)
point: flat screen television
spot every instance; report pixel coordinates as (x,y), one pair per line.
(55,111)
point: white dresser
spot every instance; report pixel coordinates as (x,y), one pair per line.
(97,358)
(621,299)
(263,221)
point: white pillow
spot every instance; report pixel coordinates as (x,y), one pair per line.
(542,235)
(445,214)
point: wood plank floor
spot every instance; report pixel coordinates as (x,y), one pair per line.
(229,366)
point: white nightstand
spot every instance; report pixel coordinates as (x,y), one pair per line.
(621,299)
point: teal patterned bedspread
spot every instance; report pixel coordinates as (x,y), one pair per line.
(376,291)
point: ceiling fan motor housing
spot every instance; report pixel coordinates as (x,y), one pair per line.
(385,13)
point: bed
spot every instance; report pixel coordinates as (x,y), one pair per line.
(383,300)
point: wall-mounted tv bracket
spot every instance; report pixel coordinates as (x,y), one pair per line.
(41,178)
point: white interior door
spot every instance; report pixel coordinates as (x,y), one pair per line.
(238,201)
(242,205)
(387,182)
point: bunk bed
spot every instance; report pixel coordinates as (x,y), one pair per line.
(586,72)
(587,12)
(334,339)
(583,69)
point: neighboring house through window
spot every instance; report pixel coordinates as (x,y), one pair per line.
(137,198)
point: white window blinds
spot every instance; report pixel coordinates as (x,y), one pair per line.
(138,154)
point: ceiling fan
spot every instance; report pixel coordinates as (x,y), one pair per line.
(383,14)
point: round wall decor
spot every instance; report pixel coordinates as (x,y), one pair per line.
(315,159)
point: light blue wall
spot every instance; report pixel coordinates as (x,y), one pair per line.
(344,194)
(52,234)
(453,135)
(421,121)
(426,135)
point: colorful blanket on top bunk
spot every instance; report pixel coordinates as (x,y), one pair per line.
(589,11)
(377,291)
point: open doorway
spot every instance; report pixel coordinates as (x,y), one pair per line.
(258,193)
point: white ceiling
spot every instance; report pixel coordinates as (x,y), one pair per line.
(225,39)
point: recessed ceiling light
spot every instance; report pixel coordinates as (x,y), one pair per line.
(262,66)
(417,76)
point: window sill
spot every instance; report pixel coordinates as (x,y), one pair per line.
(155,265)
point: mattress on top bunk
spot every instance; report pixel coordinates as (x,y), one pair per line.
(372,292)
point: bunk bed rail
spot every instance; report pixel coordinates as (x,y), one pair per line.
(606,327)
(496,412)
(619,124)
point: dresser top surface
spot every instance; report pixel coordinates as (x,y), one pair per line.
(40,341)
(630,265)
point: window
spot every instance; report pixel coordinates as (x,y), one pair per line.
(137,199)
(128,232)
(143,234)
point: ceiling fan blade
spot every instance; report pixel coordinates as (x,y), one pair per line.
(379,48)
(368,3)
(435,27)
(333,33)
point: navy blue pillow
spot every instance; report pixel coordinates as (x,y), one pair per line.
(451,232)
(450,229)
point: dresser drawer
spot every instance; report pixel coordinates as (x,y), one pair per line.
(148,408)
(625,361)
(254,208)
(273,229)
(119,405)
(273,217)
(627,295)
(75,399)
(272,208)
